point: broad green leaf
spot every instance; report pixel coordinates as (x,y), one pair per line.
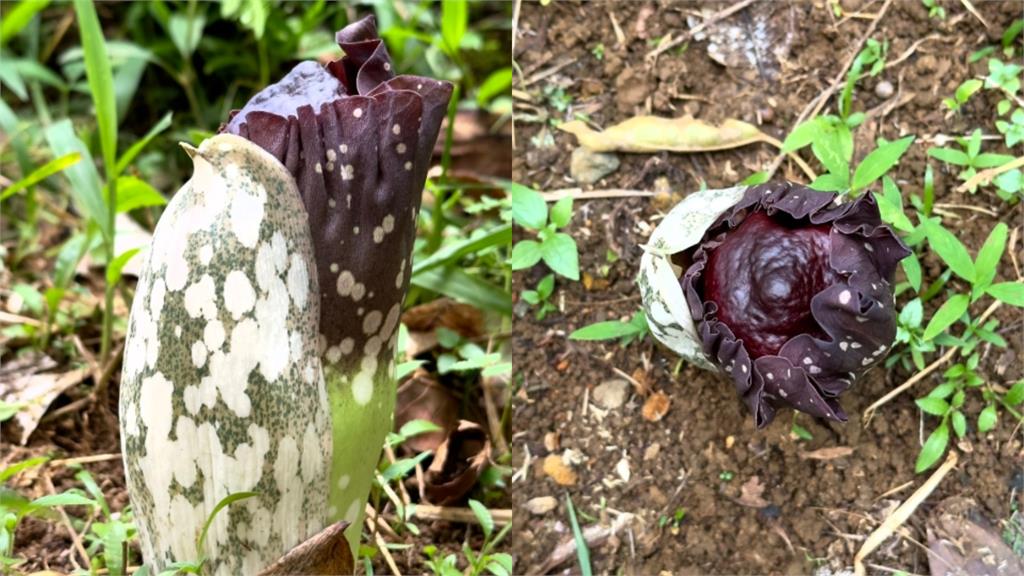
(1015,395)
(803,135)
(70,254)
(831,182)
(561,212)
(879,161)
(401,468)
(949,156)
(831,150)
(528,207)
(459,285)
(912,268)
(134,193)
(186,32)
(526,254)
(992,160)
(912,313)
(560,253)
(933,406)
(101,81)
(39,174)
(224,503)
(15,19)
(987,262)
(608,330)
(755,179)
(1011,293)
(987,419)
(114,268)
(69,498)
(890,206)
(10,77)
(451,253)
(499,82)
(85,180)
(483,516)
(126,159)
(416,427)
(454,16)
(950,311)
(943,391)
(974,144)
(933,449)
(950,249)
(13,469)
(967,89)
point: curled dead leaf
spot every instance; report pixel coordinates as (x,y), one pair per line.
(656,406)
(751,494)
(655,134)
(457,464)
(422,398)
(464,319)
(326,553)
(830,453)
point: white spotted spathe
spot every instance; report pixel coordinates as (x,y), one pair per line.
(221,355)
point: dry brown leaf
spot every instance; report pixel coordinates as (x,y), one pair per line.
(325,553)
(655,134)
(464,319)
(457,464)
(422,398)
(830,453)
(750,494)
(22,383)
(656,406)
(641,381)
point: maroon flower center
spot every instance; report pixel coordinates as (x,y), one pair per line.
(763,276)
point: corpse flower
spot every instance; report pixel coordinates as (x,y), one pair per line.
(783,288)
(260,348)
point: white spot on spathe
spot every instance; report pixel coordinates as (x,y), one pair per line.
(344,481)
(291,488)
(808,361)
(177,331)
(392,321)
(358,112)
(280,248)
(198,354)
(331,155)
(312,459)
(265,272)
(333,354)
(155,405)
(200,298)
(352,514)
(272,318)
(298,281)
(131,417)
(247,216)
(192,399)
(362,384)
(205,254)
(239,296)
(844,297)
(213,335)
(334,267)
(378,235)
(400,148)
(358,291)
(177,267)
(331,203)
(319,168)
(347,172)
(408,166)
(343,148)
(346,346)
(372,322)
(388,224)
(345,283)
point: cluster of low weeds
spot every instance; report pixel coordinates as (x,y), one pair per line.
(937,313)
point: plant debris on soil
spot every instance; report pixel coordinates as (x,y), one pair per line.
(704,491)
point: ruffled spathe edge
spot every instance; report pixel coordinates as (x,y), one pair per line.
(359,144)
(857,314)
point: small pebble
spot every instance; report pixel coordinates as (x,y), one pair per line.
(541,505)
(611,394)
(552,441)
(884,89)
(651,452)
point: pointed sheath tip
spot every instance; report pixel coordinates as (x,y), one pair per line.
(191,150)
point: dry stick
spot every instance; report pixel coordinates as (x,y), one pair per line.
(974,12)
(652,56)
(75,539)
(383,547)
(869,412)
(579,194)
(910,51)
(493,419)
(462,515)
(816,104)
(85,459)
(902,513)
(985,211)
(985,176)
(401,485)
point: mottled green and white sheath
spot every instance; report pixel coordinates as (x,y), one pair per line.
(222,390)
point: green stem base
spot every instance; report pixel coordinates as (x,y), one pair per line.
(359,432)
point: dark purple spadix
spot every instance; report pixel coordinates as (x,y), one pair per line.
(791,295)
(358,141)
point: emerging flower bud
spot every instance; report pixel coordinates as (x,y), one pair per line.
(777,285)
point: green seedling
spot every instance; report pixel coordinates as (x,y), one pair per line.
(970,158)
(598,51)
(1004,76)
(934,10)
(557,249)
(625,332)
(1012,131)
(539,296)
(479,562)
(963,94)
(1010,185)
(463,355)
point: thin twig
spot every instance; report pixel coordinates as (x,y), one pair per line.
(910,51)
(462,515)
(974,12)
(985,211)
(869,412)
(652,56)
(75,538)
(815,105)
(902,513)
(986,176)
(383,547)
(579,194)
(85,459)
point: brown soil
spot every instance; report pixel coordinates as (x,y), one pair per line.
(820,509)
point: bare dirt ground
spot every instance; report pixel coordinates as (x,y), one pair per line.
(705,456)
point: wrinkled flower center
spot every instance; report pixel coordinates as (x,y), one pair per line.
(762,278)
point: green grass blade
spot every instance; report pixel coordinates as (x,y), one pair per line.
(502,235)
(461,286)
(43,172)
(101,80)
(224,503)
(582,552)
(18,17)
(126,159)
(85,180)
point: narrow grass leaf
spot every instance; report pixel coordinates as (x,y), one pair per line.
(13,469)
(608,330)
(117,265)
(43,172)
(949,156)
(126,159)
(101,80)
(461,286)
(69,498)
(582,552)
(454,17)
(950,311)
(933,406)
(483,516)
(451,253)
(497,83)
(15,19)
(912,268)
(401,468)
(224,503)
(85,180)
(134,193)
